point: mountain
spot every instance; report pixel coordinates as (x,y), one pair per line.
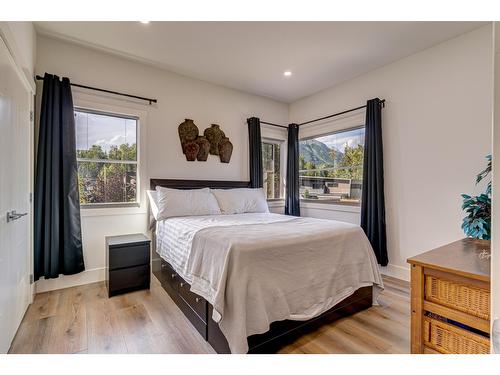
(318,153)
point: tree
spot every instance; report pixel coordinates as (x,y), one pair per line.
(309,165)
(324,172)
(94,152)
(302,162)
(123,152)
(351,163)
(101,182)
(333,155)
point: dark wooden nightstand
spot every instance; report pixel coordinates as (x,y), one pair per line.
(127,263)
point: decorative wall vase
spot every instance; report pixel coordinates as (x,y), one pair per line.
(214,135)
(225,150)
(204,149)
(188,131)
(191,149)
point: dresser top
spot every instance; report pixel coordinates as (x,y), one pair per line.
(467,257)
(127,239)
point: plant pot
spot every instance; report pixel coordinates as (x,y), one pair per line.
(214,135)
(225,150)
(204,148)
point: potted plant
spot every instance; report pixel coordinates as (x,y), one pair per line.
(477,223)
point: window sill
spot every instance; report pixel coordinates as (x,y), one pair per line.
(113,210)
(94,206)
(330,206)
(278,202)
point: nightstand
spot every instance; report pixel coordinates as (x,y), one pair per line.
(127,263)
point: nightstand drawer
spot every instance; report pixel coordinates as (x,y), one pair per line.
(128,256)
(125,279)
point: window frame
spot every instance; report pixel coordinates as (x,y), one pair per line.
(136,203)
(281,143)
(95,103)
(324,134)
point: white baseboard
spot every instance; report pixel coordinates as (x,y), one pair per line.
(398,272)
(97,274)
(67,281)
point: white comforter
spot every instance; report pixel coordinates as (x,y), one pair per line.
(259,268)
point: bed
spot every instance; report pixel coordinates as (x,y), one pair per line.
(252,282)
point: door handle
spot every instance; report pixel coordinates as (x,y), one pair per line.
(13,215)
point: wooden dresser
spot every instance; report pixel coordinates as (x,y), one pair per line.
(450,299)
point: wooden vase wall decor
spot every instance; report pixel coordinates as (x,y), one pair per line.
(204,148)
(214,135)
(188,133)
(191,149)
(225,150)
(198,147)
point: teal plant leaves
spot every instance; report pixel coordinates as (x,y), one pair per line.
(477,222)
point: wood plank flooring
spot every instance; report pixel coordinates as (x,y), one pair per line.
(84,320)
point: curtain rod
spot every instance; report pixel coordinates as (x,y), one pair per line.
(40,78)
(382,102)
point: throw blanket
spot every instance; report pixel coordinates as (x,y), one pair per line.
(259,268)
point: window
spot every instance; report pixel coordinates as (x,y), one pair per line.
(106,150)
(331,167)
(271,163)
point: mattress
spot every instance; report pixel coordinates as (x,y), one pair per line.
(258,268)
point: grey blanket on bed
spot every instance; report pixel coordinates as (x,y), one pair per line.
(259,268)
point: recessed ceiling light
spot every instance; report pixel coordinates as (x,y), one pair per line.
(144,22)
(287,73)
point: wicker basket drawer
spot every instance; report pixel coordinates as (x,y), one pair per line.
(465,298)
(448,339)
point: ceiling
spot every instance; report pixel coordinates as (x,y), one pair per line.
(252,56)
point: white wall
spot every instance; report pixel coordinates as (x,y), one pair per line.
(436,133)
(178,97)
(21,41)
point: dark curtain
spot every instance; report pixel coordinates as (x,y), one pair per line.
(292,203)
(373,201)
(58,242)
(255,146)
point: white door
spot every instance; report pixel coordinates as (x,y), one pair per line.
(15,258)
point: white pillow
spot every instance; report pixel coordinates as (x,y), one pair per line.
(239,201)
(153,202)
(175,202)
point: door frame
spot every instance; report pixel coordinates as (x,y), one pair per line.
(30,86)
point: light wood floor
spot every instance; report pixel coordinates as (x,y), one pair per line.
(84,320)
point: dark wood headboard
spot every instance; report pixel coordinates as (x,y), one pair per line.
(197,184)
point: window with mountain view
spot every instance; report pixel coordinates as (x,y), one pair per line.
(331,167)
(106,150)
(271,163)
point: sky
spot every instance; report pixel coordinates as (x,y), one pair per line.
(338,141)
(103,130)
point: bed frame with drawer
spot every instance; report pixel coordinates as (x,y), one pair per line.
(199,311)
